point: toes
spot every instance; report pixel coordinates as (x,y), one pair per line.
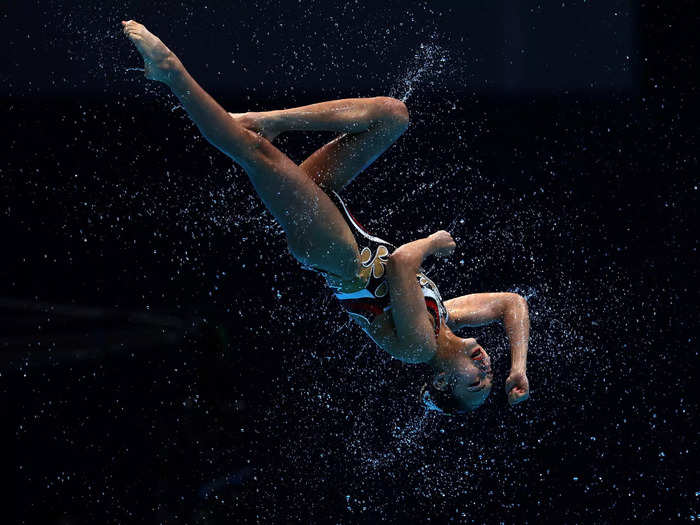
(132,32)
(131,25)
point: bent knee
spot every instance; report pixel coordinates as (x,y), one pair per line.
(393,112)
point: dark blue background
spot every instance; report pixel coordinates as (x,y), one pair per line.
(164,359)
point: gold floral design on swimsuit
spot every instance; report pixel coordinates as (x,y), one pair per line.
(375,267)
(371,274)
(377,263)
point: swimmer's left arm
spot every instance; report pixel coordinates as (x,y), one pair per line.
(484,308)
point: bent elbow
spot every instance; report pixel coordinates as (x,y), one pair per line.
(520,301)
(401,259)
(516,303)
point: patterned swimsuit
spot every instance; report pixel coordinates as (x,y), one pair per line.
(367,303)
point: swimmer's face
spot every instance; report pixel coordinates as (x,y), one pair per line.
(471,376)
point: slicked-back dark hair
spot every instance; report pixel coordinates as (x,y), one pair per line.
(443,401)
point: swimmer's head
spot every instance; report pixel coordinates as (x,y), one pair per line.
(464,383)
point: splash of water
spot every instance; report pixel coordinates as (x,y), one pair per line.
(427,64)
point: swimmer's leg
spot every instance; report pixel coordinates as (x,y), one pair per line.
(368,126)
(316,231)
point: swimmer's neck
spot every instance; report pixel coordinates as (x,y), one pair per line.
(448,348)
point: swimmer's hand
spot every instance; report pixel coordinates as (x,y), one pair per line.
(442,243)
(517,387)
(411,255)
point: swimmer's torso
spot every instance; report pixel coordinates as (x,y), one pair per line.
(366,297)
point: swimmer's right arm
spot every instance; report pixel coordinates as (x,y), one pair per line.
(414,253)
(415,341)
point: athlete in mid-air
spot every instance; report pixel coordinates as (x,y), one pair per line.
(382,287)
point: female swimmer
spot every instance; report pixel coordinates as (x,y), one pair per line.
(382,287)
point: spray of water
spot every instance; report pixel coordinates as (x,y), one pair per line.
(427,65)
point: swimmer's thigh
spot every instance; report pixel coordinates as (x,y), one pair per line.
(317,234)
(337,163)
